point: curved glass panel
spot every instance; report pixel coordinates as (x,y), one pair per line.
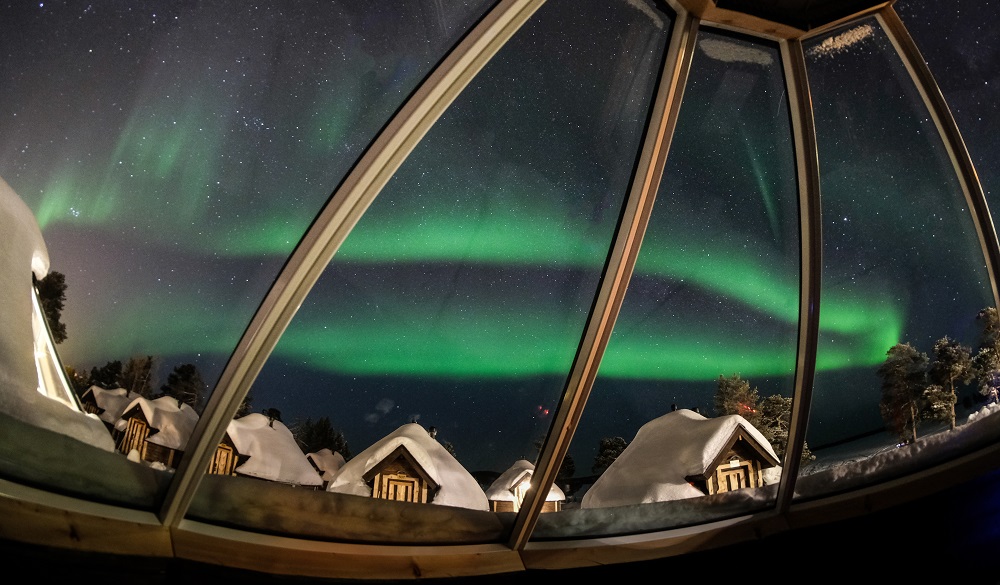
(663,441)
(961,47)
(434,349)
(173,156)
(904,275)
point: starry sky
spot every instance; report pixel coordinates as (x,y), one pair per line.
(174,155)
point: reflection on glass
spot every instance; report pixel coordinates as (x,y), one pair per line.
(904,277)
(47,436)
(694,391)
(437,343)
(172,157)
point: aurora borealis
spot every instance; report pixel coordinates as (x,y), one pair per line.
(175,155)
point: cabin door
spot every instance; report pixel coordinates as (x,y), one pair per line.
(224,461)
(135,437)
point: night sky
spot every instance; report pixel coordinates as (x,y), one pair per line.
(174,155)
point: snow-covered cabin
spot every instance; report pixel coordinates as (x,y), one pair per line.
(326,463)
(108,405)
(410,465)
(506,493)
(227,457)
(683,454)
(157,430)
(271,452)
(33,385)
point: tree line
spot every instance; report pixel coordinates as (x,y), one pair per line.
(136,375)
(918,387)
(184,383)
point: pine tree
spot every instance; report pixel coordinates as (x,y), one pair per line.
(904,379)
(939,403)
(245,407)
(106,376)
(52,296)
(607,452)
(986,361)
(313,436)
(771,415)
(734,396)
(567,469)
(185,384)
(137,376)
(952,364)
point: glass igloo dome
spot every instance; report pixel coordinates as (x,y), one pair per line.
(420,289)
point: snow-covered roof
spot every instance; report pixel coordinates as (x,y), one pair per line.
(22,255)
(327,461)
(113,402)
(273,453)
(665,451)
(502,489)
(458,487)
(175,420)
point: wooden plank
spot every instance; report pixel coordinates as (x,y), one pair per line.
(41,524)
(293,557)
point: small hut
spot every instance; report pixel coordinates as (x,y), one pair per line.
(399,476)
(156,430)
(326,463)
(506,493)
(410,465)
(227,457)
(268,451)
(683,454)
(108,405)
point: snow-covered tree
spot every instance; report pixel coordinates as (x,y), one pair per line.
(775,421)
(952,365)
(904,379)
(939,403)
(986,361)
(771,415)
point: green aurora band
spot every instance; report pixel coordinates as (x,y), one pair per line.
(168,142)
(549,236)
